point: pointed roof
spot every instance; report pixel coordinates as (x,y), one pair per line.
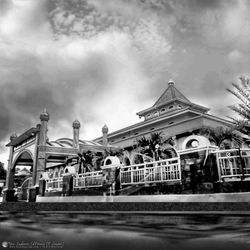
(169,97)
(170,94)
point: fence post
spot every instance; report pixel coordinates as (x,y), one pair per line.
(218,165)
(243,166)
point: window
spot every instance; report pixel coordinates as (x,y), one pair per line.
(123,137)
(148,115)
(136,133)
(163,110)
(170,107)
(171,123)
(108,162)
(152,128)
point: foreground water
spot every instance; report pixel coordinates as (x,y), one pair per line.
(128,231)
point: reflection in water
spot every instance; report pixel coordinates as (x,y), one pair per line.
(123,231)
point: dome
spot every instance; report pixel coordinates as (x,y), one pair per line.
(76,124)
(105,129)
(44,115)
(68,143)
(171,82)
(111,161)
(13,136)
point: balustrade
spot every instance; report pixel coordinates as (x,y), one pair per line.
(153,172)
(234,163)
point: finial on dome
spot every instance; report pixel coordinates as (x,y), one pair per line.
(76,124)
(105,129)
(171,81)
(44,115)
(13,136)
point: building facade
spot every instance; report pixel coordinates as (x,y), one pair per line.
(175,117)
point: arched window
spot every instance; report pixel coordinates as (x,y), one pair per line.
(56,174)
(61,173)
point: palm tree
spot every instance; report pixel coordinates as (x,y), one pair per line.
(220,135)
(242,92)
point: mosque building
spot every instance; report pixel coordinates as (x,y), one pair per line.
(173,116)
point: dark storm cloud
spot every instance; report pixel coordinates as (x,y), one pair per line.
(28,90)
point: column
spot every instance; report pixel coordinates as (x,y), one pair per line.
(76,128)
(9,191)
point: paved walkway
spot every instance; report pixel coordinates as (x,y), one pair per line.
(220,197)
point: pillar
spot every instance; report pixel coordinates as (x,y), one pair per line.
(9,191)
(41,151)
(76,128)
(35,181)
(105,131)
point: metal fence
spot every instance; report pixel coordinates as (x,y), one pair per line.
(54,184)
(88,180)
(233,164)
(154,172)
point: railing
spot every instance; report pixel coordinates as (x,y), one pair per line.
(151,172)
(199,149)
(88,180)
(54,184)
(233,164)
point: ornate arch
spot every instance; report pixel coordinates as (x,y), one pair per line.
(195,141)
(20,154)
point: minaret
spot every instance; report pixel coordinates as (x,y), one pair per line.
(76,127)
(105,131)
(44,117)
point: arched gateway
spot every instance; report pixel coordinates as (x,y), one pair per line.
(33,149)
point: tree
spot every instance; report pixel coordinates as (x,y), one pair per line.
(220,135)
(2,171)
(242,92)
(152,146)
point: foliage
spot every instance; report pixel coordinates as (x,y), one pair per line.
(150,146)
(151,142)
(242,92)
(2,171)
(220,134)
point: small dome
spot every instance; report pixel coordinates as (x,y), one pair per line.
(111,162)
(44,115)
(105,129)
(13,136)
(76,124)
(171,82)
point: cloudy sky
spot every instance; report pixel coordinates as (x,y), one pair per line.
(102,61)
